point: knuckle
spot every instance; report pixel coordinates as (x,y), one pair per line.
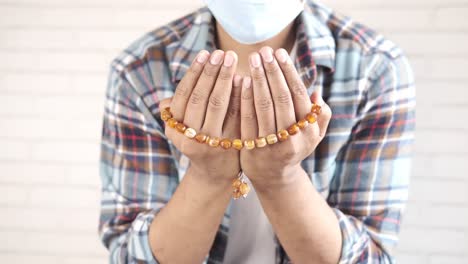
(234,108)
(194,71)
(216,101)
(264,104)
(298,89)
(258,75)
(283,98)
(272,69)
(197,97)
(247,96)
(182,91)
(225,75)
(210,71)
(289,69)
(248,115)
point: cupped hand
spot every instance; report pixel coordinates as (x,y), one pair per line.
(273,99)
(208,100)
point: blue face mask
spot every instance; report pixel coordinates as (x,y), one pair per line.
(254,21)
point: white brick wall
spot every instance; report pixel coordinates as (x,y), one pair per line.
(55,56)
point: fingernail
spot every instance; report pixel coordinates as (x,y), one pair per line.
(228,59)
(255,60)
(267,54)
(237,80)
(202,56)
(246,82)
(282,55)
(216,57)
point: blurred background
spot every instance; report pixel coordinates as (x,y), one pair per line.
(55,57)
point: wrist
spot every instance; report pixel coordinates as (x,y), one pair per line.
(279,180)
(212,178)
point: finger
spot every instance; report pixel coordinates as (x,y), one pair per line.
(219,99)
(323,119)
(167,130)
(297,88)
(262,97)
(196,105)
(232,124)
(185,87)
(249,128)
(282,101)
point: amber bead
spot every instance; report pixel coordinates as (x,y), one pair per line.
(260,142)
(293,129)
(316,109)
(165,115)
(302,123)
(236,183)
(311,118)
(271,139)
(237,144)
(213,141)
(181,127)
(244,189)
(283,135)
(225,143)
(190,132)
(249,144)
(236,194)
(201,138)
(172,122)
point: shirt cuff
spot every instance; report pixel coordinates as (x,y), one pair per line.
(135,243)
(355,239)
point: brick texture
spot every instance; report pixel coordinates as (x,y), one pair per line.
(55,56)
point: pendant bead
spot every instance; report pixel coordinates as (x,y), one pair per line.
(244,189)
(236,194)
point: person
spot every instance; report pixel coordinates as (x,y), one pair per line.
(310,110)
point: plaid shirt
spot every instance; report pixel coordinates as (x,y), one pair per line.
(361,167)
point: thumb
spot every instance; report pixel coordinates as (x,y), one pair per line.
(323,119)
(316,97)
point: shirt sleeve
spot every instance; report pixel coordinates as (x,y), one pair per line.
(370,187)
(137,172)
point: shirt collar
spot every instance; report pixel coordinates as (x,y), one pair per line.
(314,40)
